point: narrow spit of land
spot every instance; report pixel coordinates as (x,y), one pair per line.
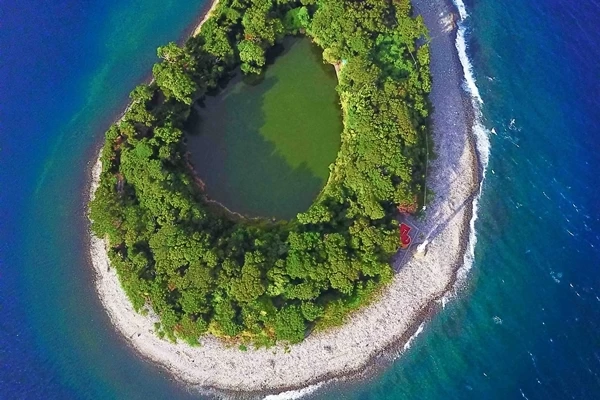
(380,328)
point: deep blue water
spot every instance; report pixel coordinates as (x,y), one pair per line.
(527,324)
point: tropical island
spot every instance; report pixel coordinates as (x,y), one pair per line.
(262,294)
(203,271)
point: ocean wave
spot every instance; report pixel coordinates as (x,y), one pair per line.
(462,10)
(481,133)
(483,149)
(461,47)
(413,337)
(295,394)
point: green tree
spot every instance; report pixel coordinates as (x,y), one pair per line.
(252,56)
(173,74)
(289,324)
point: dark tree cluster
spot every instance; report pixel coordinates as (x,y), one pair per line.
(260,281)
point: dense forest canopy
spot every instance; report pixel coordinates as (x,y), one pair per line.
(255,280)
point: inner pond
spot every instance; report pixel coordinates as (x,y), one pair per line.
(263,148)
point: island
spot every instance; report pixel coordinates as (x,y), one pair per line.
(228,301)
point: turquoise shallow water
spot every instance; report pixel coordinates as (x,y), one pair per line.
(524,327)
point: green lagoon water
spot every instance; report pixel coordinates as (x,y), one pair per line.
(264,148)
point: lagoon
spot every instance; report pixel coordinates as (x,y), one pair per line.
(263,146)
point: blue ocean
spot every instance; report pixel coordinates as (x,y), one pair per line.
(525,325)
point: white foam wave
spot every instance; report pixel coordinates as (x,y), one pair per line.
(294,394)
(461,46)
(462,10)
(469,258)
(481,136)
(413,337)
